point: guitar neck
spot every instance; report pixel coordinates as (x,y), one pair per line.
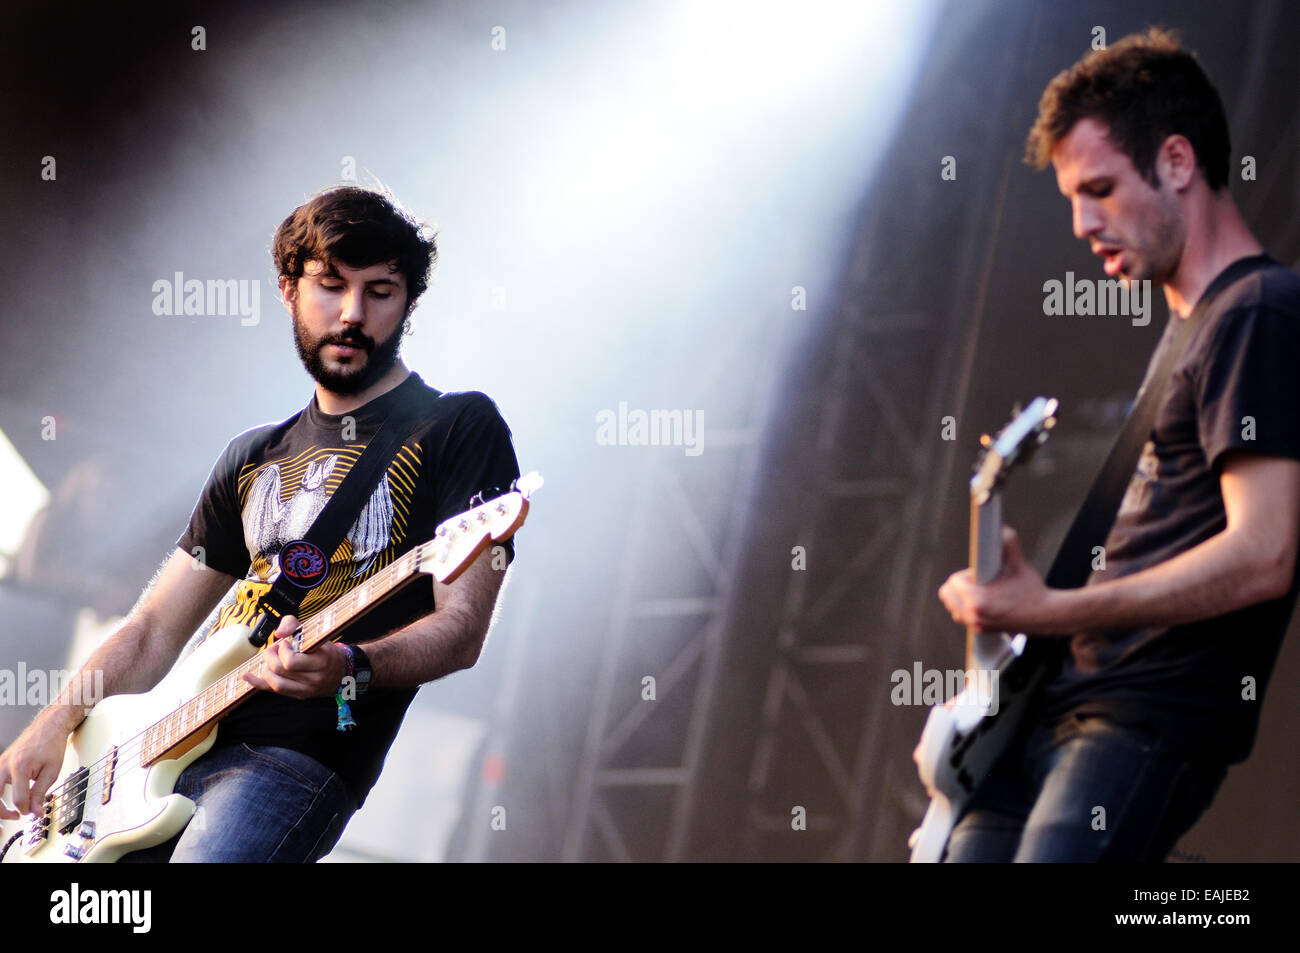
(215,701)
(455,544)
(985,560)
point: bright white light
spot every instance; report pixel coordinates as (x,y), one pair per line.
(24,496)
(748,55)
(665,116)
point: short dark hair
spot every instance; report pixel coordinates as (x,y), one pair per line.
(1144,89)
(359,227)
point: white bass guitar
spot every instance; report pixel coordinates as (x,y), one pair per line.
(114,793)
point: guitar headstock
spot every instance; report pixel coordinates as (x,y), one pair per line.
(460,539)
(1012,446)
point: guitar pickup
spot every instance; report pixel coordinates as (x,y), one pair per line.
(72,805)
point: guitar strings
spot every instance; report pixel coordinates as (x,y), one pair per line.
(127,751)
(124,755)
(123,763)
(134,745)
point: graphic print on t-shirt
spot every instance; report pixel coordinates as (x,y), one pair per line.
(269,523)
(1138,495)
(280,500)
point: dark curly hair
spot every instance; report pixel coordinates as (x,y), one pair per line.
(359,227)
(1144,89)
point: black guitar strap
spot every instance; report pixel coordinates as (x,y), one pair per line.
(1073,563)
(304,563)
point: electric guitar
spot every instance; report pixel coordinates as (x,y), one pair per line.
(114,793)
(964,737)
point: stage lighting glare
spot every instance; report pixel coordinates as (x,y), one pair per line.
(24,495)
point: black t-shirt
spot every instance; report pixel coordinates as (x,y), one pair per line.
(1235,388)
(267,488)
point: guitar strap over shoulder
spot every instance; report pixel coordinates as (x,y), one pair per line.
(1073,563)
(304,563)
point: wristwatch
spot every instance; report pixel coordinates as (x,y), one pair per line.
(362,671)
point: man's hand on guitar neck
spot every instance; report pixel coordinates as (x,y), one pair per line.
(1016,601)
(1251,560)
(442,642)
(287,671)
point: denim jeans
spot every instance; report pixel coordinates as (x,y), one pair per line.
(1084,789)
(256,803)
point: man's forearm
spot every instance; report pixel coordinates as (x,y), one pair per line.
(1226,572)
(435,645)
(448,639)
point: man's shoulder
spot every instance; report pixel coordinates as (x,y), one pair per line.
(248,443)
(1262,305)
(460,408)
(1274,287)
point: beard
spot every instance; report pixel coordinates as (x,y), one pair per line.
(354,378)
(1159,241)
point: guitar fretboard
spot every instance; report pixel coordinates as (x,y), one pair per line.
(222,695)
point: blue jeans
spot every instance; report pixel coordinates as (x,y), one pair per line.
(256,803)
(1085,789)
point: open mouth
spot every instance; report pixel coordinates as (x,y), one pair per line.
(1112,261)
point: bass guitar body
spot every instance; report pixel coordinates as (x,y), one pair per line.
(106,802)
(959,746)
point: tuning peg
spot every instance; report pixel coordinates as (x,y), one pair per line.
(986,440)
(529,483)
